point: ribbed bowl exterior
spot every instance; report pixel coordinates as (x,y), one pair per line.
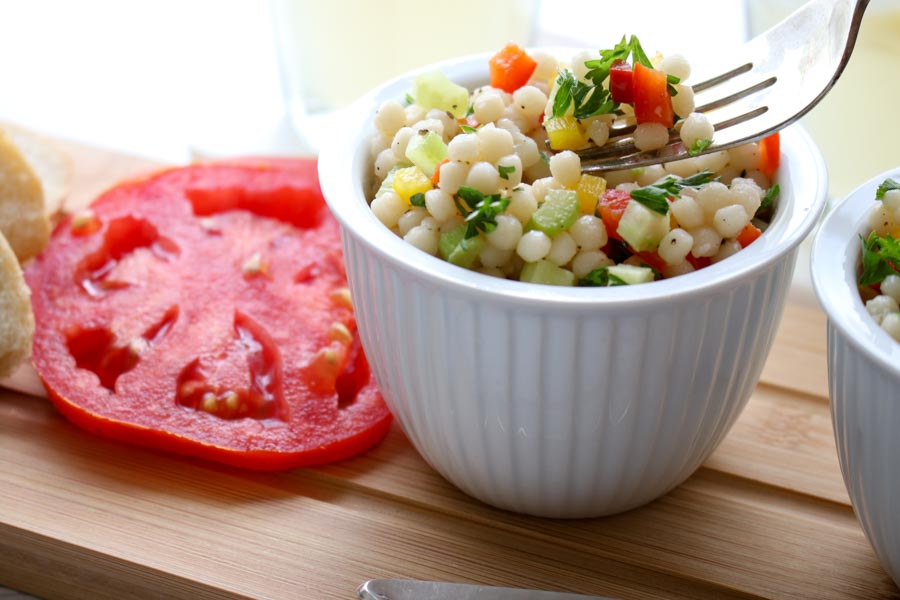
(865,410)
(863,374)
(553,400)
(575,413)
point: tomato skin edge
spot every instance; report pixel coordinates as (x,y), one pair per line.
(256,460)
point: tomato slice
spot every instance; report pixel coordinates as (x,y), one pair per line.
(511,68)
(652,102)
(208,314)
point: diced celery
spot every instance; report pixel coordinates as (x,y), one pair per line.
(426,151)
(459,250)
(558,212)
(641,227)
(434,90)
(631,274)
(589,189)
(410,181)
(544,271)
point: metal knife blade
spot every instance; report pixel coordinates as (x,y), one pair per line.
(411,589)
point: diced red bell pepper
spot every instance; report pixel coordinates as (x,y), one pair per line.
(770,154)
(748,235)
(621,82)
(610,209)
(652,259)
(698,262)
(652,102)
(436,178)
(511,68)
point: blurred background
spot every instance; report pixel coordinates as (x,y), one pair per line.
(175,80)
(167,78)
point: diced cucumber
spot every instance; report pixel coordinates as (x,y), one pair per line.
(456,249)
(641,227)
(449,240)
(631,274)
(467,251)
(434,90)
(546,272)
(388,184)
(426,151)
(558,212)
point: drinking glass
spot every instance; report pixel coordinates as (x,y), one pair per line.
(331,52)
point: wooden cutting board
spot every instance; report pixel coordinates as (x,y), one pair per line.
(766,517)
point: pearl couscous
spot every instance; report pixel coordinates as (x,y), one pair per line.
(489,179)
(879,277)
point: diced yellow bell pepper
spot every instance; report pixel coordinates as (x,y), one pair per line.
(589,190)
(410,181)
(565,133)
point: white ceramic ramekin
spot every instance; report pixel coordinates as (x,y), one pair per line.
(561,402)
(863,376)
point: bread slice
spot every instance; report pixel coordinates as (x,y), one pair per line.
(16,318)
(50,163)
(22,217)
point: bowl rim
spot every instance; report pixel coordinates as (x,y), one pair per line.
(835,284)
(802,177)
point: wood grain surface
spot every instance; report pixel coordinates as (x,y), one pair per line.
(766,517)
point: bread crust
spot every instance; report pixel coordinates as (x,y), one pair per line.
(51,164)
(23,220)
(16,317)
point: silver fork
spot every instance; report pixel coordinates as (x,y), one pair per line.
(780,75)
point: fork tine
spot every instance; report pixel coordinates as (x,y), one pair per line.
(731,98)
(743,118)
(714,81)
(781,75)
(624,146)
(623,154)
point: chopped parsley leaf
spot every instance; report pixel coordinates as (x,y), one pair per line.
(563,95)
(480,211)
(880,258)
(467,129)
(656,195)
(654,198)
(671,82)
(886,186)
(637,52)
(767,204)
(601,278)
(699,146)
(417,199)
(410,99)
(505,171)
